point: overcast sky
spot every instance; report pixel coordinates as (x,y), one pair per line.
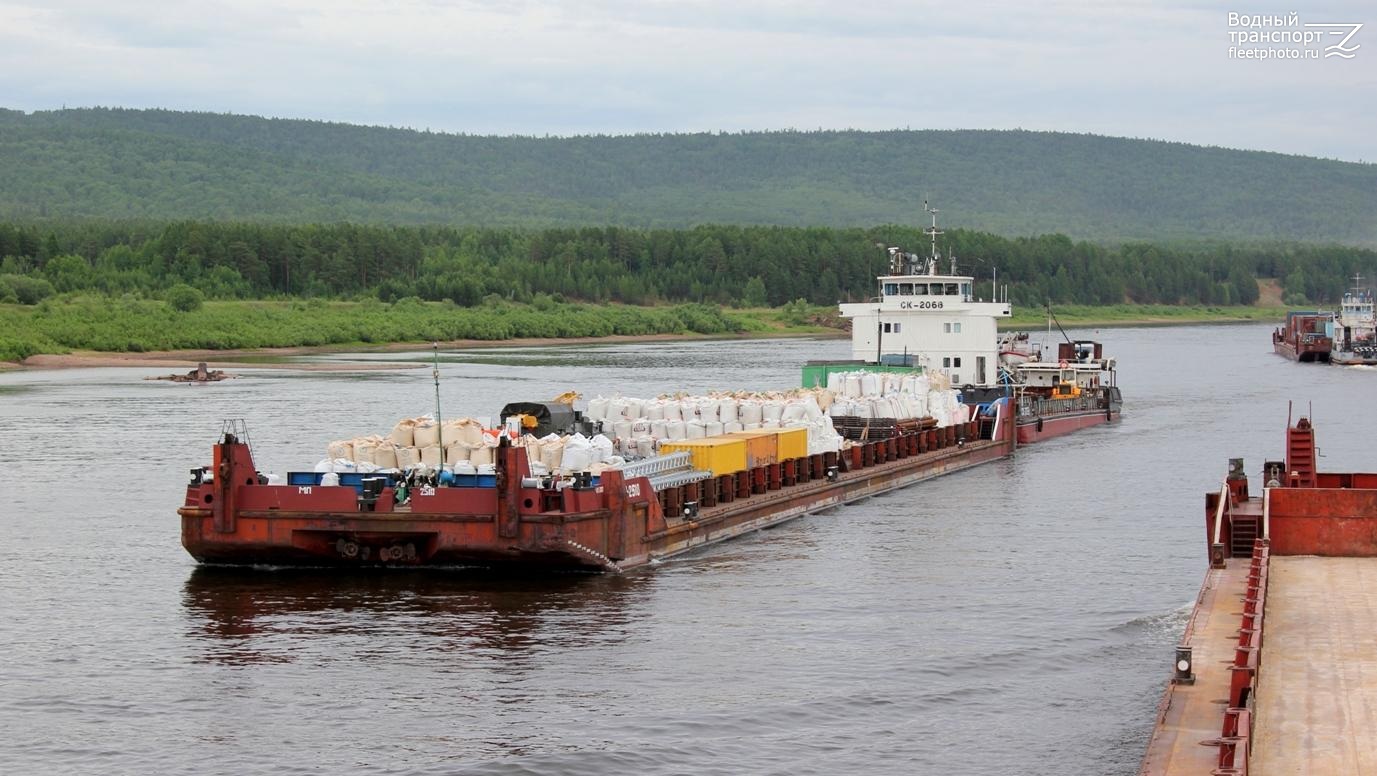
(1136,69)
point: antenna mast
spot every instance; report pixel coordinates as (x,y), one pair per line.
(932,233)
(439,421)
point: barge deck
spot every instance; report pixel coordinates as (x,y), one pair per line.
(1277,668)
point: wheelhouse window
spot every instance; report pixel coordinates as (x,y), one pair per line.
(891,289)
(952,290)
(921,289)
(935,289)
(905,289)
(966,290)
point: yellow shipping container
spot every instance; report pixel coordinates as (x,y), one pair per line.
(788,442)
(793,443)
(719,455)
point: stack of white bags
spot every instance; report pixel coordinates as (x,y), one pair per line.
(864,394)
(638,426)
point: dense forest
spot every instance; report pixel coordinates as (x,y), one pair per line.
(747,266)
(162,165)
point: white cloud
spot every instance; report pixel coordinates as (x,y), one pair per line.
(1138,69)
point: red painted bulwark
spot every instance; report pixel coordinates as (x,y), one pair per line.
(1059,426)
(1321,521)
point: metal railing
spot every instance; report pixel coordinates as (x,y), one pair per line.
(676,479)
(1235,741)
(657,465)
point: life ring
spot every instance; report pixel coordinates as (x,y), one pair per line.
(1061,364)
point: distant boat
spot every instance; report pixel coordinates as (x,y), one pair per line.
(1306,336)
(1355,328)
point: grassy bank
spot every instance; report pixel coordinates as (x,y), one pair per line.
(1083,316)
(128,325)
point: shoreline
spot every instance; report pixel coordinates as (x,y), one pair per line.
(248,358)
(264,358)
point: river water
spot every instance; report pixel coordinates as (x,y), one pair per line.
(1017,618)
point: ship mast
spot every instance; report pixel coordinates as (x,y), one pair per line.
(932,233)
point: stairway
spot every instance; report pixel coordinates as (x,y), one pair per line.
(1243,531)
(1300,455)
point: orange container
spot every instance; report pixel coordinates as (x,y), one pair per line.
(718,454)
(762,446)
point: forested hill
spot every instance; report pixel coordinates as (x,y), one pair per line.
(159,165)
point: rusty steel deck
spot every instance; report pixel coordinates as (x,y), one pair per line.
(1188,718)
(1277,670)
(1316,708)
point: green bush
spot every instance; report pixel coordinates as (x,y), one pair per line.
(184,298)
(23,289)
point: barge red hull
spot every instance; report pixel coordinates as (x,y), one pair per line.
(1303,337)
(1032,430)
(617,524)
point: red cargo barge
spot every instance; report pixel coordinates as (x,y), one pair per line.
(1305,336)
(1274,671)
(628,518)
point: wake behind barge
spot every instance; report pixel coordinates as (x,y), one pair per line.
(628,517)
(1275,672)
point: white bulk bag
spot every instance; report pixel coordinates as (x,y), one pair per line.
(407,457)
(426,433)
(385,455)
(552,452)
(749,411)
(602,447)
(645,446)
(695,429)
(403,434)
(597,409)
(363,450)
(870,384)
(727,410)
(676,430)
(578,453)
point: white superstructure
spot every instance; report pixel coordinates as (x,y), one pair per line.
(923,317)
(1356,314)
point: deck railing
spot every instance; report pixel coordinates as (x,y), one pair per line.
(1235,741)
